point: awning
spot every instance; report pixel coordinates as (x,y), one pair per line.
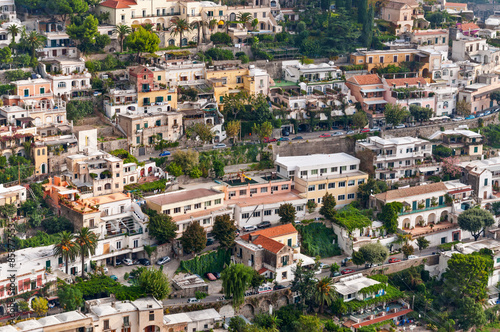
(25,119)
(372,90)
(423,55)
(306,260)
(375,102)
(429,169)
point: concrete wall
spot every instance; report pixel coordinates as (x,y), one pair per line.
(113,145)
(315,145)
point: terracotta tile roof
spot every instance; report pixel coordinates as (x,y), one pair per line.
(455,4)
(117,4)
(263,270)
(366,79)
(430,32)
(412,191)
(468,26)
(268,244)
(404,81)
(382,318)
(273,232)
(181,196)
(139,70)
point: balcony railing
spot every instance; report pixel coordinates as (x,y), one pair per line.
(424,209)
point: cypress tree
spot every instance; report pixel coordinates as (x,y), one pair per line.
(362,11)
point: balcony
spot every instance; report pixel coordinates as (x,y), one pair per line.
(424,209)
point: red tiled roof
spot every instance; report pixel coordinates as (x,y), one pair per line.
(382,318)
(430,32)
(460,191)
(411,191)
(366,79)
(265,242)
(404,81)
(468,26)
(141,69)
(276,231)
(118,3)
(263,270)
(455,4)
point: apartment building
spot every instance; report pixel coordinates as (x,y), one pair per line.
(401,14)
(409,91)
(462,142)
(12,195)
(119,101)
(350,288)
(445,99)
(184,73)
(437,38)
(150,90)
(69,77)
(71,321)
(315,175)
(186,206)
(484,177)
(201,320)
(398,157)
(257,197)
(58,44)
(430,60)
(370,92)
(448,74)
(430,210)
(269,251)
(320,77)
(144,129)
(479,94)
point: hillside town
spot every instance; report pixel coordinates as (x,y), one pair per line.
(249,166)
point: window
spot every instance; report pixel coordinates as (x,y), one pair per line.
(268,212)
(485,182)
(475,149)
(245,215)
(350,196)
(274,188)
(314,172)
(177,210)
(166,211)
(498,260)
(283,275)
(256,214)
(263,190)
(299,208)
(151,315)
(118,244)
(243,192)
(284,187)
(253,191)
(321,186)
(217,201)
(106,324)
(232,193)
(381,59)
(331,185)
(276,211)
(254,15)
(125,321)
(361,181)
(289,242)
(208,203)
(42,91)
(323,170)
(303,173)
(138,139)
(169,98)
(197,206)
(343,168)
(395,58)
(341,198)
(351,183)
(353,167)
(221,13)
(311,188)
(136,243)
(407,58)
(443,240)
(342,184)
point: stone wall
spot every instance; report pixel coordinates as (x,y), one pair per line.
(315,145)
(113,145)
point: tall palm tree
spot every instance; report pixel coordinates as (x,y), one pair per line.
(244,18)
(33,41)
(14,30)
(122,31)
(65,247)
(325,292)
(179,27)
(212,24)
(87,243)
(198,25)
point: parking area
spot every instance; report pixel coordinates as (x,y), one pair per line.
(120,270)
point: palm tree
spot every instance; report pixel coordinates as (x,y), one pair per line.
(65,247)
(34,41)
(179,27)
(197,25)
(212,24)
(87,243)
(14,30)
(325,292)
(122,31)
(148,27)
(244,18)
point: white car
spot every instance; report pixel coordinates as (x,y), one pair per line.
(338,133)
(163,260)
(219,146)
(105,270)
(193,300)
(458,118)
(400,126)
(374,129)
(412,257)
(323,266)
(128,261)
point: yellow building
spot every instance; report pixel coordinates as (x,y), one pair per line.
(316,175)
(232,78)
(40,158)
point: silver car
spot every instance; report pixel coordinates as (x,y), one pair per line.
(163,260)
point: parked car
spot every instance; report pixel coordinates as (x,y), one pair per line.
(249,228)
(365,130)
(323,266)
(478,115)
(336,274)
(264,224)
(219,146)
(193,300)
(325,135)
(487,113)
(338,133)
(128,261)
(210,241)
(351,132)
(400,126)
(412,257)
(163,260)
(118,262)
(97,93)
(264,289)
(284,139)
(297,138)
(470,117)
(394,260)
(286,133)
(345,261)
(165,153)
(144,261)
(496,110)
(105,270)
(458,118)
(279,287)
(347,271)
(210,276)
(269,140)
(374,129)
(115,278)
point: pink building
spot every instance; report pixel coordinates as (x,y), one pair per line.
(370,92)
(410,91)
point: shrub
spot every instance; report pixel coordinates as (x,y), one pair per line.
(447,246)
(220,54)
(16,75)
(317,240)
(213,261)
(220,38)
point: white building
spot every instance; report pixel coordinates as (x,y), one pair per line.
(446,98)
(349,288)
(69,77)
(313,76)
(397,157)
(184,72)
(12,195)
(121,102)
(201,320)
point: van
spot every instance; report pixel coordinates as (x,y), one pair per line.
(265,289)
(249,228)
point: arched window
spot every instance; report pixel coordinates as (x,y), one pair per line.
(445,104)
(107,186)
(132,179)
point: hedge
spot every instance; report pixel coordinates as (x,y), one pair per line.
(213,261)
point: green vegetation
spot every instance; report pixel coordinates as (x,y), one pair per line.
(109,63)
(317,240)
(79,109)
(351,219)
(147,186)
(99,286)
(126,156)
(213,261)
(447,246)
(16,75)
(39,240)
(491,135)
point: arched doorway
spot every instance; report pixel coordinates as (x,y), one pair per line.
(152,328)
(43,168)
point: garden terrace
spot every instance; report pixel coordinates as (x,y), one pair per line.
(428,229)
(377,315)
